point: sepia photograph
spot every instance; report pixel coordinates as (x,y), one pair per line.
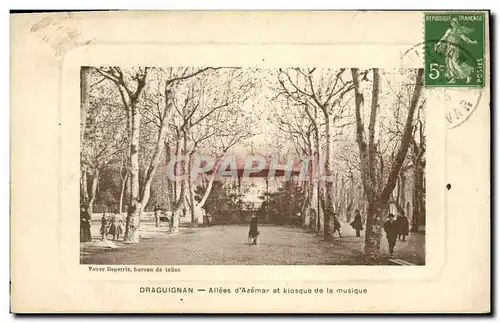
(251,162)
(252,166)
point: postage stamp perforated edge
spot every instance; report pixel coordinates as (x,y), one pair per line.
(454,49)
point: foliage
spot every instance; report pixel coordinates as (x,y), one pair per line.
(224,203)
(284,204)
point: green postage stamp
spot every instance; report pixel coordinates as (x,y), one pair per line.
(454,49)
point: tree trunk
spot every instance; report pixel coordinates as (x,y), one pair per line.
(122,193)
(316,182)
(351,199)
(155,160)
(175,186)
(266,215)
(422,197)
(307,204)
(399,194)
(135,208)
(337,195)
(374,214)
(176,217)
(360,202)
(416,211)
(84,106)
(208,189)
(194,214)
(85,72)
(418,207)
(374,221)
(179,206)
(189,197)
(327,222)
(318,205)
(84,194)
(197,211)
(403,190)
(341,198)
(168,190)
(377,202)
(93,191)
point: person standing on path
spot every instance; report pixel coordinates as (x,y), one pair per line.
(404,226)
(157,215)
(253,233)
(119,229)
(85,223)
(357,224)
(104,227)
(391,230)
(113,230)
(120,226)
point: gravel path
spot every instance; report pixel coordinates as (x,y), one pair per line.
(227,245)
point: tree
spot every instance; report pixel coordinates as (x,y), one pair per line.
(413,167)
(195,115)
(325,94)
(347,164)
(418,145)
(85,74)
(225,204)
(212,122)
(103,140)
(84,106)
(130,86)
(124,176)
(285,203)
(294,124)
(377,193)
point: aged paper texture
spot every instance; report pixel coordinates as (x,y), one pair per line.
(250,162)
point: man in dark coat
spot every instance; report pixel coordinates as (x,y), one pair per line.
(404,226)
(357,224)
(391,230)
(336,226)
(253,233)
(85,223)
(157,215)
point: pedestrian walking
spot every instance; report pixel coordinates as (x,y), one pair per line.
(404,226)
(357,223)
(120,227)
(253,233)
(336,226)
(115,226)
(157,215)
(104,227)
(391,230)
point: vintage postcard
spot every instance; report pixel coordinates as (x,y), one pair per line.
(250,162)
